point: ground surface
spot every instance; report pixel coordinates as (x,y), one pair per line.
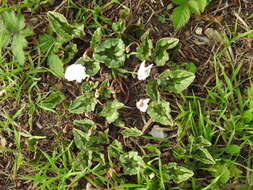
(209,144)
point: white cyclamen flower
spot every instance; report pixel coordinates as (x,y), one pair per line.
(143,71)
(142,104)
(75,72)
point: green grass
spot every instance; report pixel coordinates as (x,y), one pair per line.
(57,135)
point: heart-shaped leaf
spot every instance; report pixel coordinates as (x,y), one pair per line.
(110,111)
(161,55)
(62,28)
(160,112)
(180,16)
(110,52)
(83,104)
(176,81)
(144,51)
(55,65)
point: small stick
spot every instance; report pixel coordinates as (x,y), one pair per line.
(147,124)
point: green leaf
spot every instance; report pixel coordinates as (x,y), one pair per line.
(83,160)
(80,138)
(177,173)
(46,43)
(92,68)
(161,55)
(124,13)
(222,171)
(132,163)
(88,86)
(110,111)
(53,99)
(250,16)
(180,16)
(191,67)
(232,149)
(234,170)
(96,38)
(200,141)
(119,27)
(62,28)
(104,89)
(83,104)
(247,116)
(179,2)
(70,51)
(18,44)
(152,89)
(160,112)
(86,124)
(5,38)
(203,155)
(115,149)
(194,6)
(176,81)
(134,132)
(152,150)
(197,6)
(55,65)
(111,52)
(119,123)
(144,51)
(13,23)
(202,5)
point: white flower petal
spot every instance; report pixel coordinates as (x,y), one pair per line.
(142,104)
(143,71)
(158,132)
(75,72)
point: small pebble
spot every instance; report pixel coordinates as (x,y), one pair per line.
(199,31)
(158,132)
(2,92)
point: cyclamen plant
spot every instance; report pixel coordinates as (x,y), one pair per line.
(112,54)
